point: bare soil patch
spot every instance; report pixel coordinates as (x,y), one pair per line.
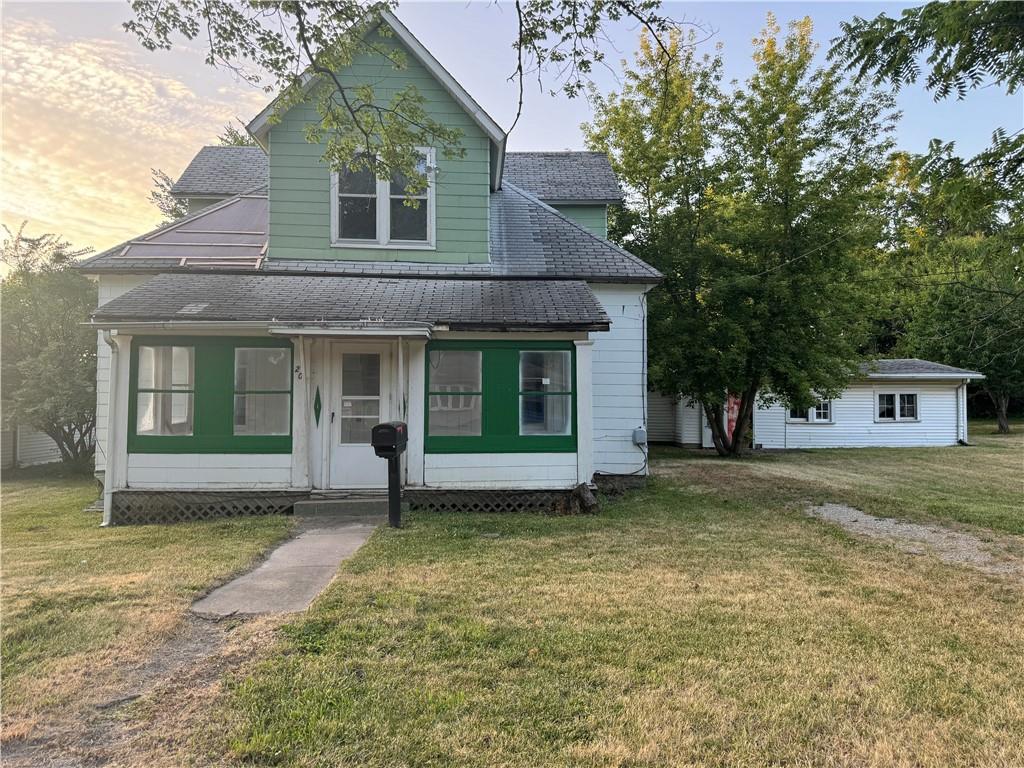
(995,556)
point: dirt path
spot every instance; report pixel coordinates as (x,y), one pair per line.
(1000,557)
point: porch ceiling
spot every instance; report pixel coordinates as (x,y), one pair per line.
(562,305)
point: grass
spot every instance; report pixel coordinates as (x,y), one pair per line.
(702,621)
(81,602)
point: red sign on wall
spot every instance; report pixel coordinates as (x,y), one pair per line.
(732,413)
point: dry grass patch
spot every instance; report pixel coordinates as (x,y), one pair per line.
(83,605)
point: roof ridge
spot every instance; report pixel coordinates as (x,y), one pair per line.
(605,241)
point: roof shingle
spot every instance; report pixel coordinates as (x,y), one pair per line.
(285,299)
(582,177)
(222,172)
(912,367)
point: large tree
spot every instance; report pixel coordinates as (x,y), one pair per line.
(959,251)
(298,48)
(49,356)
(759,206)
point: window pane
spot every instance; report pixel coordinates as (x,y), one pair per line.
(262,414)
(456,415)
(360,182)
(545,414)
(908,406)
(545,372)
(399,181)
(453,370)
(798,414)
(357,430)
(360,374)
(887,406)
(165,367)
(357,218)
(369,407)
(262,368)
(408,223)
(164,413)
(823,411)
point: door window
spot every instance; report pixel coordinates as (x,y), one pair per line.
(360,396)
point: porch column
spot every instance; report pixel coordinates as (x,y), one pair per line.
(416,418)
(116,473)
(300,413)
(584,411)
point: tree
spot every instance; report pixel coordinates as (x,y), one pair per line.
(298,49)
(759,207)
(170,206)
(49,356)
(961,233)
(232,137)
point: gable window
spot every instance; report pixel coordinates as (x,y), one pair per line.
(896,406)
(369,212)
(821,413)
(210,394)
(500,397)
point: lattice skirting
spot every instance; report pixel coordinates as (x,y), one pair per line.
(138,507)
(558,502)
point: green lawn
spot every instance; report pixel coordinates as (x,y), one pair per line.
(81,602)
(702,621)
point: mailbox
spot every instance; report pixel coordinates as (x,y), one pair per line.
(389,439)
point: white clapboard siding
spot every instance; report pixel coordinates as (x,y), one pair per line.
(209,471)
(853,420)
(24,447)
(500,470)
(110,287)
(661,419)
(620,379)
(690,425)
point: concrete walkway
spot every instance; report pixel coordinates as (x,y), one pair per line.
(295,573)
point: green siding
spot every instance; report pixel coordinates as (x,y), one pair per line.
(593,218)
(300,215)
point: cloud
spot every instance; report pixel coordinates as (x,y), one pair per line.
(84,120)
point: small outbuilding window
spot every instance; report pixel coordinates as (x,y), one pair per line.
(896,406)
(368,212)
(821,413)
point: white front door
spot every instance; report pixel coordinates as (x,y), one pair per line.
(360,398)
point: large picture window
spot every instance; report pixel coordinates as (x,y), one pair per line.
(374,213)
(500,397)
(207,394)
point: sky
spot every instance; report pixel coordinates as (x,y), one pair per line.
(87,112)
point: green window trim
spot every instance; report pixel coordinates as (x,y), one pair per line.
(500,395)
(213,388)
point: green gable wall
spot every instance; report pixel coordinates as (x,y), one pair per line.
(593,218)
(300,197)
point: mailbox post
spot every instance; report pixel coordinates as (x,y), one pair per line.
(389,440)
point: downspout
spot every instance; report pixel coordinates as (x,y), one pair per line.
(112,429)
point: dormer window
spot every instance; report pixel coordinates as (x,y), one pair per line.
(368,212)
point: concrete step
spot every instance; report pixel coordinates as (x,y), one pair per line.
(356,510)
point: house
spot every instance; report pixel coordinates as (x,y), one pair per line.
(26,447)
(246,350)
(892,403)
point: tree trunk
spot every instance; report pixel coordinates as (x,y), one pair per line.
(1002,403)
(718,436)
(743,418)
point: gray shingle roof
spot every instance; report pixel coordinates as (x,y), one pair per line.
(223,171)
(288,299)
(911,367)
(528,240)
(564,176)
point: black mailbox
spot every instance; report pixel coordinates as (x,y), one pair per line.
(389,439)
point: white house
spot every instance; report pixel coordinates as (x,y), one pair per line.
(248,348)
(894,403)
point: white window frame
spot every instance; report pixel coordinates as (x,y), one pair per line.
(384,214)
(898,416)
(812,417)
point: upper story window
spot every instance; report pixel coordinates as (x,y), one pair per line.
(367,212)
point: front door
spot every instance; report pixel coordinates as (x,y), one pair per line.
(360,399)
